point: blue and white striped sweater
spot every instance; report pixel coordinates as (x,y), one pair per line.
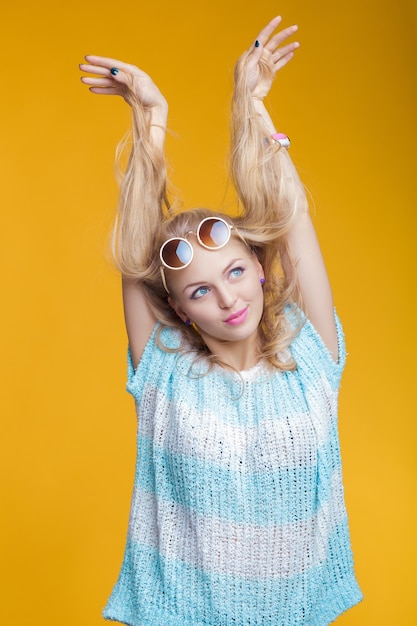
(238,516)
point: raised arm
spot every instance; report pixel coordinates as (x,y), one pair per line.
(142,199)
(267,181)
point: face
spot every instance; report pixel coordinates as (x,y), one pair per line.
(220,291)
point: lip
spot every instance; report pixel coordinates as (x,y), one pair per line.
(238,317)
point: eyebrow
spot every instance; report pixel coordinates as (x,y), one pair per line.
(226,269)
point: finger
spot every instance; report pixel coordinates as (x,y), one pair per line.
(108,63)
(254,56)
(105,91)
(268,30)
(283,61)
(280,37)
(97,82)
(284,50)
(94,69)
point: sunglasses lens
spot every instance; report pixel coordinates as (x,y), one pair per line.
(214,233)
(176,253)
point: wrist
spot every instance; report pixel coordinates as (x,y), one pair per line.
(261,110)
(159,113)
(258,102)
(158,123)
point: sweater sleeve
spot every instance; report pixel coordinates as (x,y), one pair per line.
(312,355)
(155,362)
(136,377)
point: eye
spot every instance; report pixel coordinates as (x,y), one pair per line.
(236,272)
(199,293)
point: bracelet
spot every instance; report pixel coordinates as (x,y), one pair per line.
(282,139)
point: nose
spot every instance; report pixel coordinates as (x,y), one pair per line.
(225,297)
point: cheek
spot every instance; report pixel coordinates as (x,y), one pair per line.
(202,313)
(260,301)
(259,297)
(255,288)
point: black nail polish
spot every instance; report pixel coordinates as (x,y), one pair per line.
(257,44)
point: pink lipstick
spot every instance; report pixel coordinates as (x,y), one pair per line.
(238,317)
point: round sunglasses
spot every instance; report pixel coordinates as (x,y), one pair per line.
(177,253)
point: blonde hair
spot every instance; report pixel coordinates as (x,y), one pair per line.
(270,195)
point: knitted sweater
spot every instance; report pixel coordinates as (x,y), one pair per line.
(238,516)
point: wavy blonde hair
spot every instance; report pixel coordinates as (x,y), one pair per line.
(269,193)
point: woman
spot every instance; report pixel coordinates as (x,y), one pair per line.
(235,359)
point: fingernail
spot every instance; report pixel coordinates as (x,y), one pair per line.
(257,44)
(114,71)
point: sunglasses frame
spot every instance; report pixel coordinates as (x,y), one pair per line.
(230,227)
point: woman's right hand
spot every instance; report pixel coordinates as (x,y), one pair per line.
(129,82)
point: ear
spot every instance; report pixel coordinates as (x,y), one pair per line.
(178,310)
(259,267)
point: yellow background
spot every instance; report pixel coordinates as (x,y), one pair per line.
(348,102)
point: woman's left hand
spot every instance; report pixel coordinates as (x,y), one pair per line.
(266,56)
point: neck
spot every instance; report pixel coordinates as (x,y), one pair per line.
(236,355)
